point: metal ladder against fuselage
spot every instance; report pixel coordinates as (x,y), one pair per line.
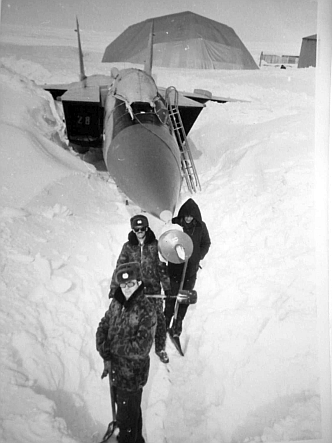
(187,162)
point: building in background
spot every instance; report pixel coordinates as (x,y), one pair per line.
(308,52)
(183,40)
(274,60)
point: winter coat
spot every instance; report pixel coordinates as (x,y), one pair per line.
(154,271)
(199,235)
(125,336)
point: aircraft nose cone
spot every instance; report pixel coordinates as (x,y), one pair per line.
(145,164)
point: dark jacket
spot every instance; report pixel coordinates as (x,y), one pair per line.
(154,271)
(199,235)
(125,336)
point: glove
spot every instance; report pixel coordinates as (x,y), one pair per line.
(182,297)
(187,297)
(107,368)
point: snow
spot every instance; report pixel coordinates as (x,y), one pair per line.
(250,371)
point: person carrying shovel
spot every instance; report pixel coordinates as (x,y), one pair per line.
(124,339)
(183,274)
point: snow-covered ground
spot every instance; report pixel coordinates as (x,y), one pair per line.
(250,371)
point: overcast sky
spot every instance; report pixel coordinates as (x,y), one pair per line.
(252,20)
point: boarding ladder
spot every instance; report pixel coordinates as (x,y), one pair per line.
(187,162)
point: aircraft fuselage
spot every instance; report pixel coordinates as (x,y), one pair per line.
(140,150)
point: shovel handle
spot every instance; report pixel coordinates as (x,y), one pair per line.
(112,395)
(176,309)
(183,275)
(112,425)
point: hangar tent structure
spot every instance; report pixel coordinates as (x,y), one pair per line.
(308,52)
(182,40)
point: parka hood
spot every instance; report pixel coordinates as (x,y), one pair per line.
(190,207)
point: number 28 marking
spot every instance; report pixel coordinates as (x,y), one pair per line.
(83,120)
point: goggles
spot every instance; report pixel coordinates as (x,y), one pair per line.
(129,284)
(139,229)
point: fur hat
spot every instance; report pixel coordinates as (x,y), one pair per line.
(128,271)
(139,221)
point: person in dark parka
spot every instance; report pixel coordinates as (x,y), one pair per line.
(190,219)
(124,339)
(142,247)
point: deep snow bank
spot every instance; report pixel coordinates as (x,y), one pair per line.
(31,141)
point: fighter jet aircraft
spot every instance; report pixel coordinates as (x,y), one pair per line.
(141,129)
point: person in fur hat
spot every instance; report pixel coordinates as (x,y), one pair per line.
(124,339)
(142,247)
(190,219)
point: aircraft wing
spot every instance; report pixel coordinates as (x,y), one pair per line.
(202,96)
(83,104)
(189,109)
(56,90)
(93,81)
(192,103)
